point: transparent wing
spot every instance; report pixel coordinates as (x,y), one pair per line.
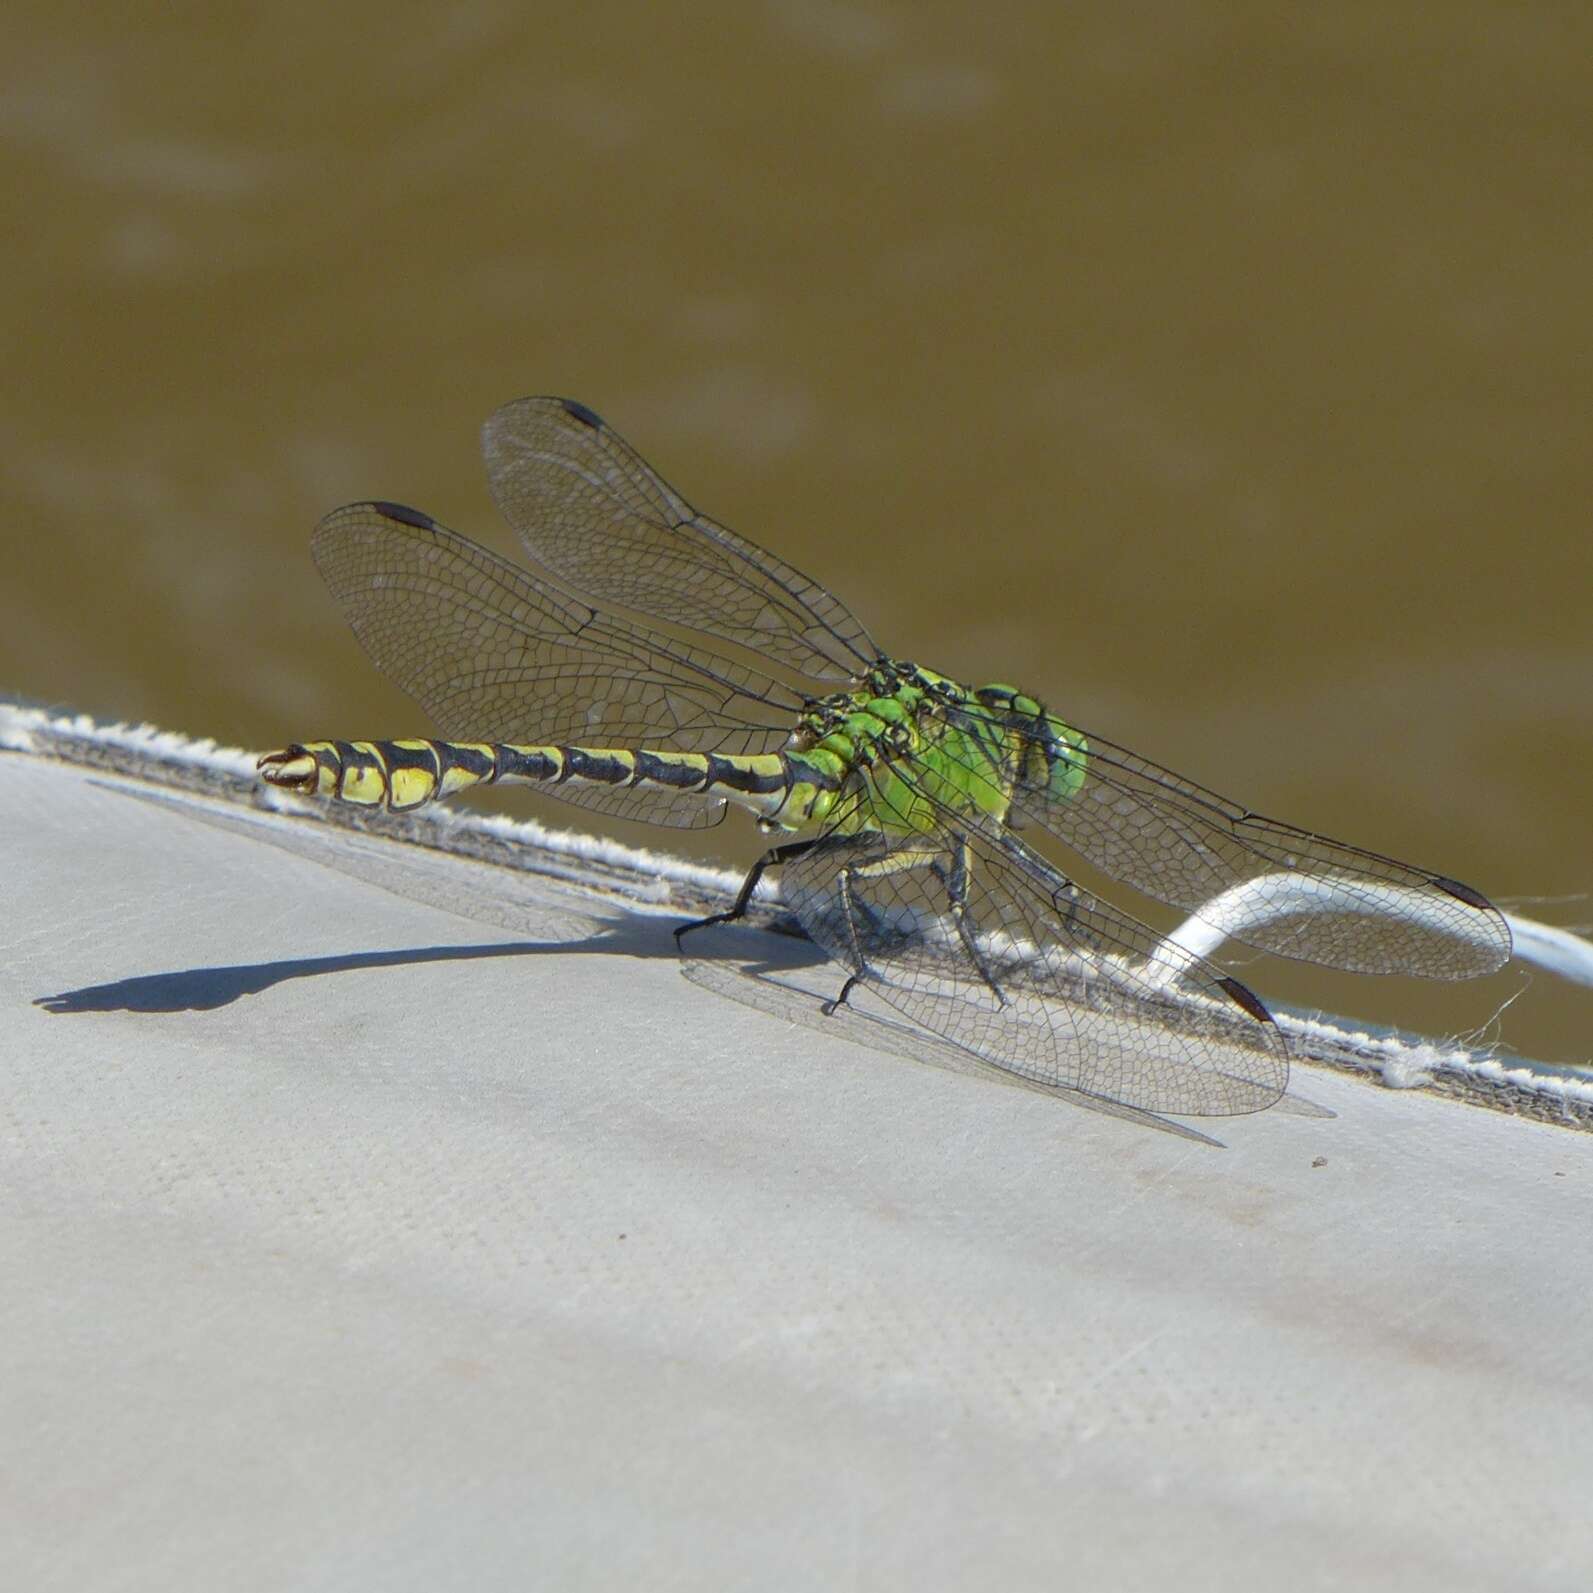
(494,654)
(586,505)
(1272,885)
(971,935)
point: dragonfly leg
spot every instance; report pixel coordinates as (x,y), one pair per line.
(953,880)
(775,856)
(850,910)
(956,884)
(830,1008)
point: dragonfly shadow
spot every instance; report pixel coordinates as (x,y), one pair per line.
(206,989)
(522,905)
(779,975)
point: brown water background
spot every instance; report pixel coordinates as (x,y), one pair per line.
(1221,373)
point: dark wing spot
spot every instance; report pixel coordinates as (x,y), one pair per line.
(582,413)
(1463,893)
(1245,997)
(404,515)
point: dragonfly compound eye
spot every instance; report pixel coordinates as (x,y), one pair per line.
(1065,758)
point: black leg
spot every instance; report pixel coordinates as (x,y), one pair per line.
(829,1007)
(775,856)
(957,899)
(850,910)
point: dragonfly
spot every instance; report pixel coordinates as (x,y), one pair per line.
(655,665)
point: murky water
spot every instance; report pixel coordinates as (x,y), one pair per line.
(1223,375)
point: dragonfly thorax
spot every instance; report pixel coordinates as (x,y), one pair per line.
(882,715)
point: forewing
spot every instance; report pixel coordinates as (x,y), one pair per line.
(493,654)
(1040,978)
(586,505)
(1305,895)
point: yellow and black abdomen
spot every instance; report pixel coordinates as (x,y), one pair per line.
(403,775)
(397,775)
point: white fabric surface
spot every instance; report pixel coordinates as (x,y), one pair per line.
(340,1254)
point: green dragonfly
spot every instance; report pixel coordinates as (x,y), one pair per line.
(714,671)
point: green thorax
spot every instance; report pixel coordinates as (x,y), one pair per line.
(913,744)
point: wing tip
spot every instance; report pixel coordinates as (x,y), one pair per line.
(1499,946)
